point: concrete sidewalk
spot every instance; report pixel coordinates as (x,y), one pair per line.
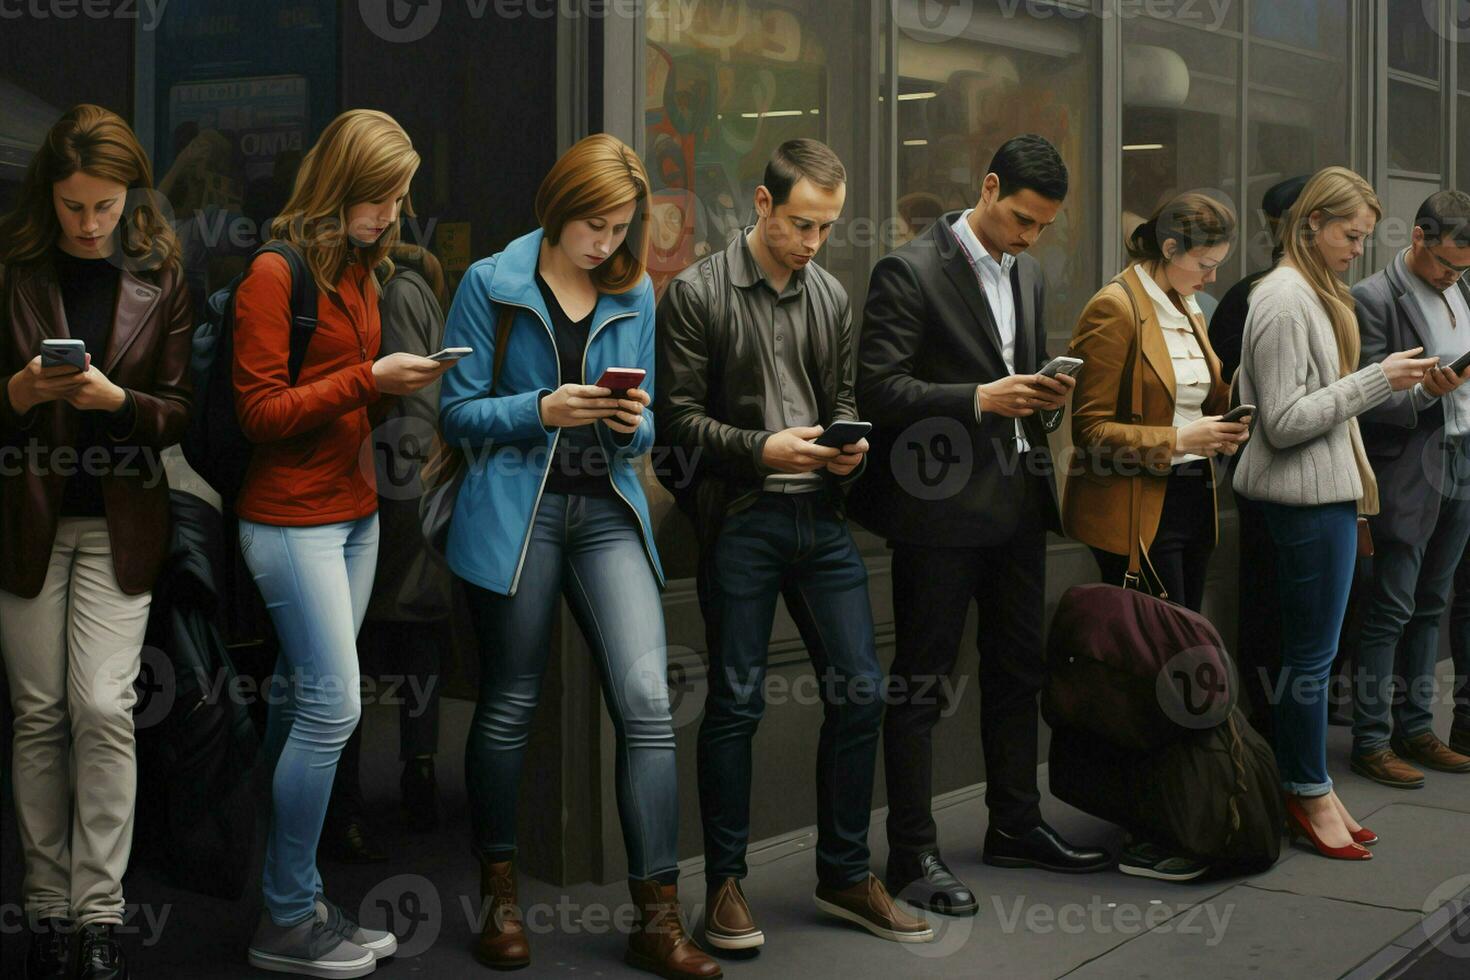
(1307,917)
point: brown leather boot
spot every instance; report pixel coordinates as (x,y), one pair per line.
(502,944)
(728,923)
(1387,768)
(1428,751)
(869,905)
(659,943)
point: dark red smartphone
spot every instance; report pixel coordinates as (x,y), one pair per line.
(619,379)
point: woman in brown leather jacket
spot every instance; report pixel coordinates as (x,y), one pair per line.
(84,511)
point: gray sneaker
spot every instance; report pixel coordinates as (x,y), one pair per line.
(376,941)
(310,948)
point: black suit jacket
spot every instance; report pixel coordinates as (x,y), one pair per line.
(935,475)
(1396,435)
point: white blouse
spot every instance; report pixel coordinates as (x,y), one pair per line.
(1191,371)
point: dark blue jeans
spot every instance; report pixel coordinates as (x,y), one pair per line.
(1316,553)
(796,546)
(591,549)
(1395,673)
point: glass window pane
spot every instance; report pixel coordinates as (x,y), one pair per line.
(1462,150)
(1180,130)
(1298,77)
(1413,38)
(1413,128)
(726,84)
(962,96)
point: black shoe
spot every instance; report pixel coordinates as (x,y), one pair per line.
(101,957)
(46,958)
(924,881)
(420,794)
(351,842)
(1460,739)
(1041,847)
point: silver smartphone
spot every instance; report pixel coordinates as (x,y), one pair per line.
(58,351)
(1062,365)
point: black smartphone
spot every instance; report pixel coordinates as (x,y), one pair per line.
(1461,363)
(58,351)
(843,433)
(1238,412)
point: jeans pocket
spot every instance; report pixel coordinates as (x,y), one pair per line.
(247,537)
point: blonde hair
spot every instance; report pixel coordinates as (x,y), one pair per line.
(599,174)
(95,141)
(362,155)
(1336,194)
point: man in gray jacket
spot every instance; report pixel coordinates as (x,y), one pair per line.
(1419,444)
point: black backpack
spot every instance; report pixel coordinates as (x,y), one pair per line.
(214,445)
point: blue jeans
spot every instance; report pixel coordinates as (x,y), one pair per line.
(316,582)
(1411,589)
(1316,553)
(590,549)
(796,546)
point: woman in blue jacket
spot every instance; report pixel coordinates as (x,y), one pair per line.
(551,504)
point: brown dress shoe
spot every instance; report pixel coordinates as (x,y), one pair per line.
(502,944)
(869,905)
(1428,751)
(659,943)
(1387,768)
(728,923)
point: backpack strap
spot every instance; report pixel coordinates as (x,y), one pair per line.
(303,303)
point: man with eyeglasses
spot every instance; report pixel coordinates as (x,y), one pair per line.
(1419,444)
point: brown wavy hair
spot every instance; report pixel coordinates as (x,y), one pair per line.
(598,174)
(362,155)
(95,141)
(1191,220)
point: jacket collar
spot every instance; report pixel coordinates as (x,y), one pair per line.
(956,264)
(744,271)
(514,282)
(137,296)
(1398,274)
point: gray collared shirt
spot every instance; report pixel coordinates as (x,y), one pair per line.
(1448,318)
(785,353)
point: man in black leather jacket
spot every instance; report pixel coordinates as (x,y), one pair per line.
(754,360)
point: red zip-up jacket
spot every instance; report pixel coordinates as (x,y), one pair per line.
(307,465)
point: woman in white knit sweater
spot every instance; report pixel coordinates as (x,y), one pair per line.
(1307,466)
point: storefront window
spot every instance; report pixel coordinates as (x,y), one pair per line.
(1298,77)
(965,90)
(726,84)
(1181,87)
(1414,84)
(1413,41)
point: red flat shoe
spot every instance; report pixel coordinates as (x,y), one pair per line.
(1298,825)
(1364,836)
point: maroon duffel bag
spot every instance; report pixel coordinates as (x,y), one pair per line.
(1133,669)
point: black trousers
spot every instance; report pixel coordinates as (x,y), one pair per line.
(932,591)
(1180,551)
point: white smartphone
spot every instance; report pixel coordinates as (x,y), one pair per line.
(1062,365)
(451,353)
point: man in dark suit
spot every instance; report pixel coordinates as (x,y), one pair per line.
(1419,444)
(961,486)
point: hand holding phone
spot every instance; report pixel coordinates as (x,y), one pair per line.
(1238,413)
(1069,366)
(843,432)
(61,351)
(1461,363)
(451,354)
(619,379)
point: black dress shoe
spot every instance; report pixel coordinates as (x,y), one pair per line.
(420,792)
(46,957)
(101,958)
(1041,847)
(351,842)
(924,881)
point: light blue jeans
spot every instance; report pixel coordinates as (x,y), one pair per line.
(316,582)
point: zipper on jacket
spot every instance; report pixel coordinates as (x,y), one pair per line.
(636,516)
(515,580)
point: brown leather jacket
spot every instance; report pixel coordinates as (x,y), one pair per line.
(147,354)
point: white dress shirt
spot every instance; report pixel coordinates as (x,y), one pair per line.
(1191,371)
(995,282)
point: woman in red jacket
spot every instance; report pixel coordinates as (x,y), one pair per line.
(84,513)
(308,508)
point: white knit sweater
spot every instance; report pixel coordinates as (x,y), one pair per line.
(1305,448)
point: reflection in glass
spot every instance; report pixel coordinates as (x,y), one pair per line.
(1413,128)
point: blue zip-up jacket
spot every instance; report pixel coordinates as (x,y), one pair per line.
(510,449)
